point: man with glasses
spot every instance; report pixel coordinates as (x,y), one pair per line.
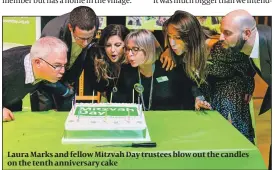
(24,67)
(77,29)
(239,32)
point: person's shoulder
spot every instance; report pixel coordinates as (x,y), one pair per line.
(58,20)
(54,26)
(16,52)
(264,28)
(158,66)
(160,71)
(217,48)
(265,34)
(93,51)
(218,52)
(128,68)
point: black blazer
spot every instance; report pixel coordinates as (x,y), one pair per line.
(265,63)
(13,85)
(58,27)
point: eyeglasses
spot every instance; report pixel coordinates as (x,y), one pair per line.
(134,50)
(57,68)
(82,39)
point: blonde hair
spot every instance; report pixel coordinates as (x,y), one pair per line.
(146,41)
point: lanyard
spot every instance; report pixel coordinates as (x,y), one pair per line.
(151,89)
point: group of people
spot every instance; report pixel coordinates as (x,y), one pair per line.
(211,70)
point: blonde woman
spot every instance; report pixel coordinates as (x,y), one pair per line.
(161,90)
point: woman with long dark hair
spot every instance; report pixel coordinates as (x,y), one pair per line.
(105,60)
(221,73)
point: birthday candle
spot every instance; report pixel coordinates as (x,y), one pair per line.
(106,116)
(92,95)
(128,115)
(111,97)
(74,101)
(139,103)
(72,107)
(132,95)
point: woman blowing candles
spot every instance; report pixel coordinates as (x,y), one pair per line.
(104,65)
(229,81)
(161,90)
(186,45)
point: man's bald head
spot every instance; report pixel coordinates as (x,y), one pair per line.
(241,18)
(238,30)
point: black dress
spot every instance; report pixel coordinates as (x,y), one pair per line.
(230,78)
(171,90)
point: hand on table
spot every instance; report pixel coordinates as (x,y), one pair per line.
(201,104)
(7,115)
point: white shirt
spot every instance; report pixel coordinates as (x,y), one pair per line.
(28,70)
(255,51)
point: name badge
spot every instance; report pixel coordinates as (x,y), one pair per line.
(162,79)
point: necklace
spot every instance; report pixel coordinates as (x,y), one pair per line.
(151,89)
(115,89)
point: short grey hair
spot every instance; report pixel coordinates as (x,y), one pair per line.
(46,45)
(146,41)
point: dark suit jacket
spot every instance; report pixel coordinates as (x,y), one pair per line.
(13,85)
(58,27)
(266,63)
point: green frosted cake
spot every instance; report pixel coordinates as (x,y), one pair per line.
(100,122)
